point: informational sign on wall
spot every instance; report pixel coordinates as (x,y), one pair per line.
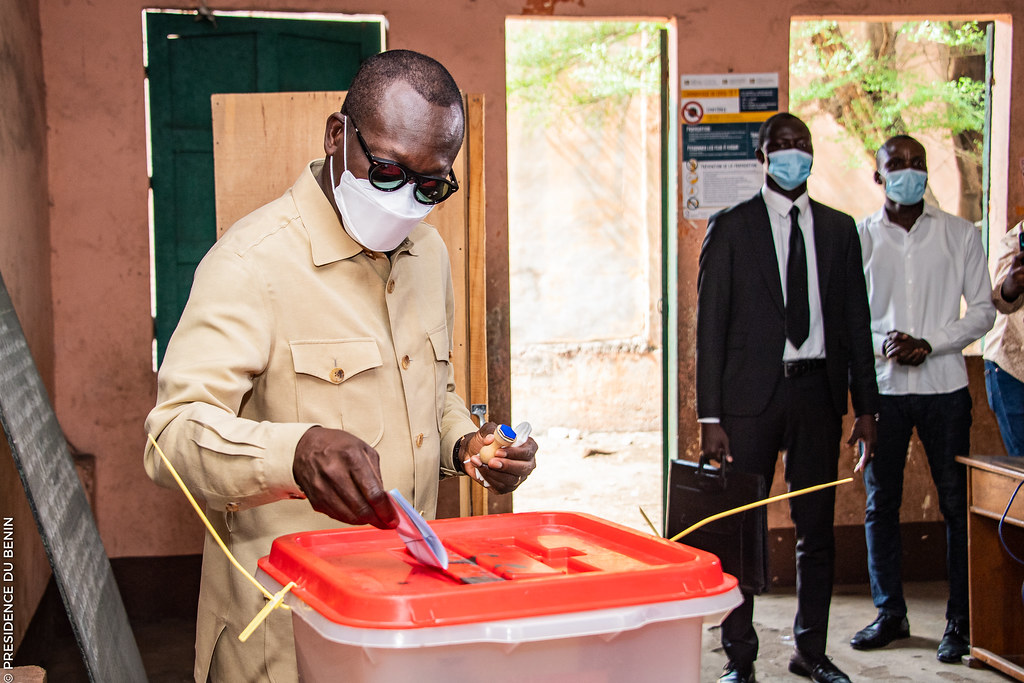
(720,116)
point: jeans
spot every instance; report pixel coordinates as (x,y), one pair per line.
(1006,399)
(943,423)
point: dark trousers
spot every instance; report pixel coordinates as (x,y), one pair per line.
(943,423)
(800,419)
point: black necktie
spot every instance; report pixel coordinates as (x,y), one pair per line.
(798,317)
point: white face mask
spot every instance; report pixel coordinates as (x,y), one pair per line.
(377,220)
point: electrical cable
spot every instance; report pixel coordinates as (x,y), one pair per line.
(1002,540)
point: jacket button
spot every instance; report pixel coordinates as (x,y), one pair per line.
(405,362)
(232,507)
(391,286)
(419,440)
(337,376)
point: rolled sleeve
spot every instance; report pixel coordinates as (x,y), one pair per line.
(222,341)
(1008,248)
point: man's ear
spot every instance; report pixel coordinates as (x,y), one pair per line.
(759,153)
(879,180)
(333,133)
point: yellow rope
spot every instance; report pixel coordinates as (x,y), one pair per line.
(209,527)
(274,603)
(749,506)
(647,519)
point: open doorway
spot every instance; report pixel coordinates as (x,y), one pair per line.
(585,154)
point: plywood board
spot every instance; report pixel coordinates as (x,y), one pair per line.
(261,143)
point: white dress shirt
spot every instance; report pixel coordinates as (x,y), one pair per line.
(778,214)
(916,280)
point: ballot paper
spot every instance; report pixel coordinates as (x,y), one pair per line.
(420,540)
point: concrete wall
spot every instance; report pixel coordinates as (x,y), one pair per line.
(25,265)
(584,252)
(95,157)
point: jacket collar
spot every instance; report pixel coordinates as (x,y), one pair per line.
(328,240)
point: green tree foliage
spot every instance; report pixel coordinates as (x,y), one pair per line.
(596,67)
(870,83)
(884,78)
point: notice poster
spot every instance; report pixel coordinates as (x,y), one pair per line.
(720,115)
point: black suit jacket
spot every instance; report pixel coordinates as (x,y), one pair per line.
(741,314)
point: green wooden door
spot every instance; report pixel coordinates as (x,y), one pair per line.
(190,60)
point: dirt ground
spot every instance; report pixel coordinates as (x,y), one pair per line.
(607,474)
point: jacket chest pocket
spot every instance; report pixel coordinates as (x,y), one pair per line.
(337,385)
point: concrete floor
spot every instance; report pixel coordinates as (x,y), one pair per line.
(912,659)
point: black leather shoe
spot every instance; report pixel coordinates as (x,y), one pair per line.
(955,643)
(734,673)
(880,632)
(819,669)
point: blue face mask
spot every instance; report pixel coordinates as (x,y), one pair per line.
(905,186)
(790,168)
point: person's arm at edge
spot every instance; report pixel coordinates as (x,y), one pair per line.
(1009,248)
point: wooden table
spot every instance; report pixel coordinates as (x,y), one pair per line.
(996,579)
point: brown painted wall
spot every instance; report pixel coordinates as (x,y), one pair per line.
(92,58)
(25,264)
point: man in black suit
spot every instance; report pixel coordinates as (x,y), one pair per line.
(783,332)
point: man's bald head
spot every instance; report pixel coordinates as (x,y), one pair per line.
(425,75)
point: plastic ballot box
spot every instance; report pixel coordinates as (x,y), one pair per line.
(537,596)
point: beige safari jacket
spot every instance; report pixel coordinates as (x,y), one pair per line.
(1004,344)
(291,324)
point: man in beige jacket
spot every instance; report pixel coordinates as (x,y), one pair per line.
(310,371)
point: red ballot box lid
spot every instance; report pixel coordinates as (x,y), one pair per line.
(505,566)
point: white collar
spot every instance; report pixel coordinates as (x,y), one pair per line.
(781,205)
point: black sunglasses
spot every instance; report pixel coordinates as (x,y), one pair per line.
(388,176)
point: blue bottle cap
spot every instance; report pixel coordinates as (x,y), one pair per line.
(505,432)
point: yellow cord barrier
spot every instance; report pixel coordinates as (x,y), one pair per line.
(273,604)
(274,600)
(654,529)
(749,506)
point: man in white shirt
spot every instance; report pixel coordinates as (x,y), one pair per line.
(919,261)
